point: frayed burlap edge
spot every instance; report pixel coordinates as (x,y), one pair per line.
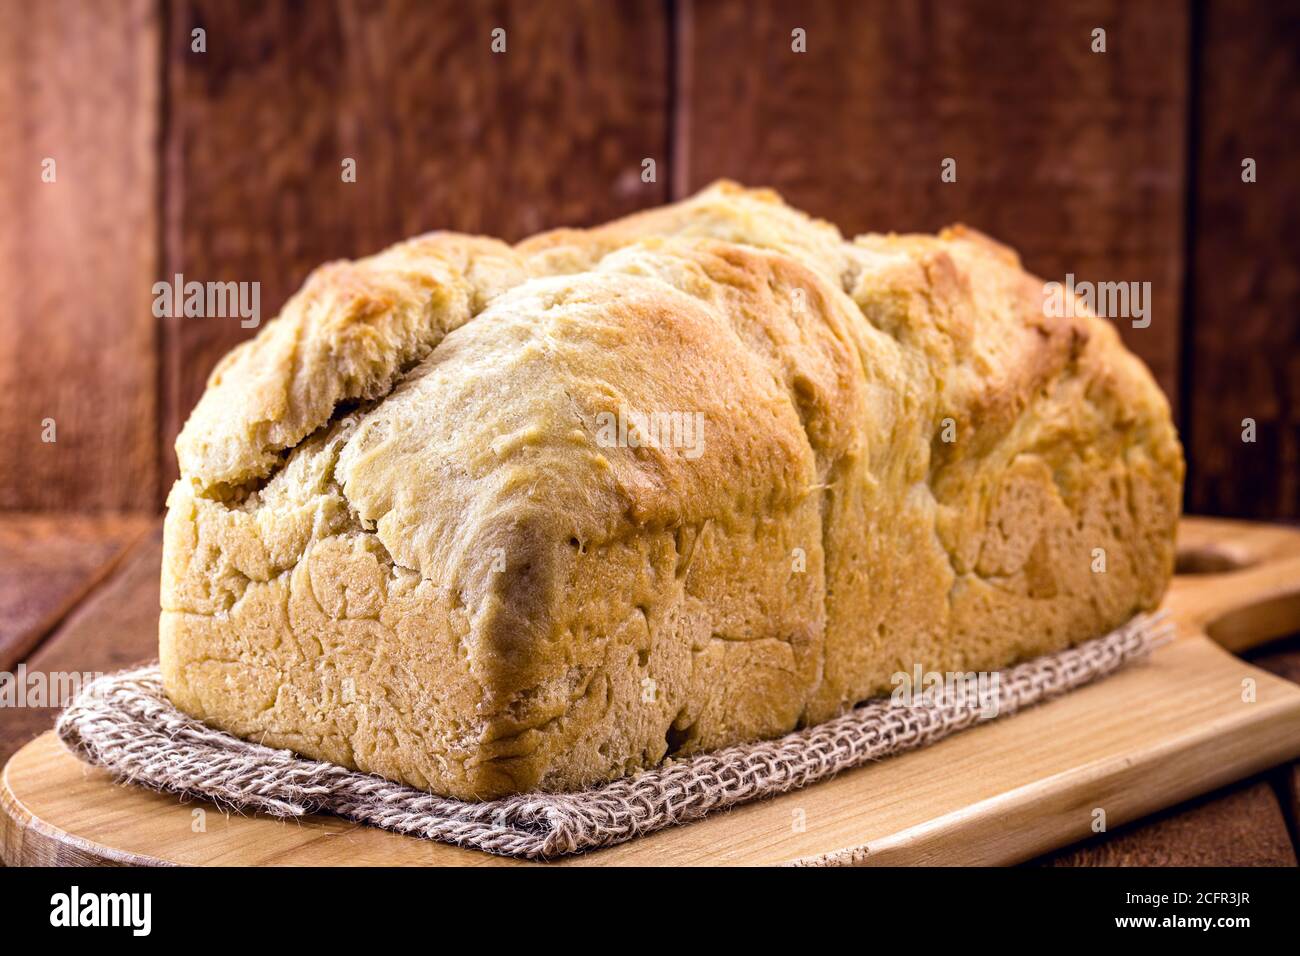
(125,723)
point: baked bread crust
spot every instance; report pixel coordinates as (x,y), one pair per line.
(400,543)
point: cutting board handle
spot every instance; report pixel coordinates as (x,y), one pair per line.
(1237,581)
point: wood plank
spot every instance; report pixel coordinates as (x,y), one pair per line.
(1283,659)
(47,564)
(1075,158)
(445,134)
(1244,324)
(1243,826)
(79,85)
(115,627)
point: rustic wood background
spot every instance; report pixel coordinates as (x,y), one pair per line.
(225,165)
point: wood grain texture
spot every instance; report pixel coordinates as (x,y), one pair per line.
(115,627)
(1244,355)
(225,165)
(1075,158)
(1242,826)
(1283,659)
(1248,824)
(1156,733)
(445,133)
(48,563)
(78,255)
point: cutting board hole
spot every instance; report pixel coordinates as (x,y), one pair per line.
(1209,559)
(1257,623)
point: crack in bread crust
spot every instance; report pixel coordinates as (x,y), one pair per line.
(399,542)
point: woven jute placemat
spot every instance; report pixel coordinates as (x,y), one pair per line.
(125,723)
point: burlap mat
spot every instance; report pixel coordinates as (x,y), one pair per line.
(125,723)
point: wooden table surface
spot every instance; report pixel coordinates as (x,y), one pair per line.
(80,593)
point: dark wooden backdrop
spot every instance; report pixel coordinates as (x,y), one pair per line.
(225,165)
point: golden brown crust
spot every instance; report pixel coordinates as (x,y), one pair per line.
(461,583)
(351,331)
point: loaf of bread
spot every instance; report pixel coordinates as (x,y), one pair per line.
(486,518)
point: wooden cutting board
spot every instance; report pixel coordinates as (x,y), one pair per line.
(1192,718)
